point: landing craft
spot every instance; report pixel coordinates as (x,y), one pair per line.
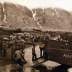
(60,50)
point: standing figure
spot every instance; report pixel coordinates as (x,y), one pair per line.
(19,59)
(23,56)
(33,53)
(45,55)
(41,49)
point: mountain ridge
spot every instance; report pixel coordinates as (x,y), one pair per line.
(17,16)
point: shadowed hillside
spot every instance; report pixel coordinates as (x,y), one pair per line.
(20,17)
(16,16)
(53,19)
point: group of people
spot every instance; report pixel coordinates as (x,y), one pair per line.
(43,52)
(19,59)
(19,53)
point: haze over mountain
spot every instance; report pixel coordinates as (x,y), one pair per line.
(15,16)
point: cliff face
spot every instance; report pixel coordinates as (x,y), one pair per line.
(15,16)
(53,19)
(1,14)
(58,19)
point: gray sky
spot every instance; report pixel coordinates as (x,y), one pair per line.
(65,4)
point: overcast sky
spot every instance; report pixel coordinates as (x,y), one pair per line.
(65,4)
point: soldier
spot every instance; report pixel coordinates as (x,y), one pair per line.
(19,59)
(45,54)
(33,53)
(23,58)
(41,49)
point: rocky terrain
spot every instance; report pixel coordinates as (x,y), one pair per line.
(53,19)
(15,16)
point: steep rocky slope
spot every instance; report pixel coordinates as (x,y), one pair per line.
(1,14)
(15,16)
(53,19)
